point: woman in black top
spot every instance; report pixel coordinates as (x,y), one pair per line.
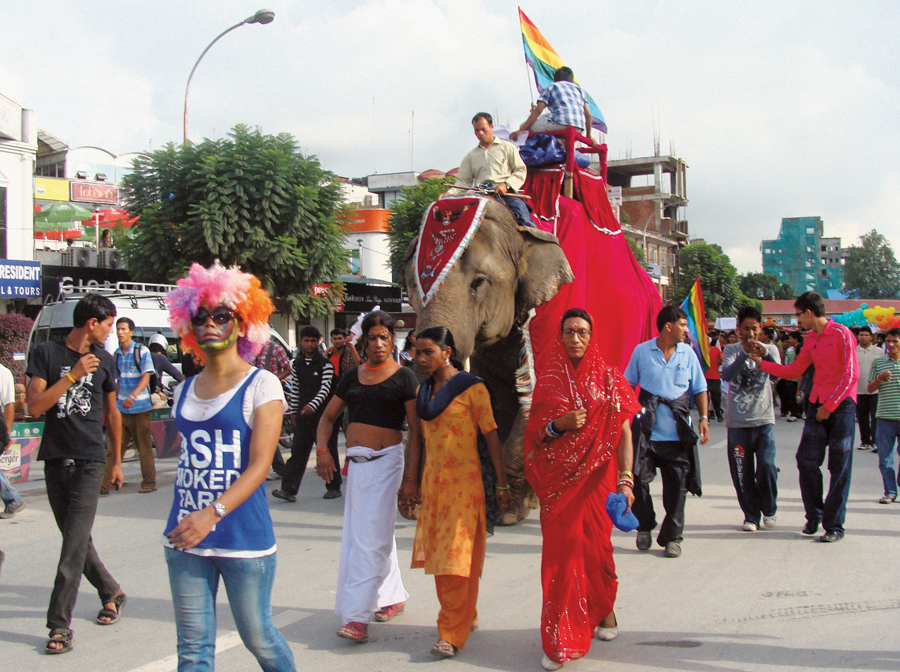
(380,394)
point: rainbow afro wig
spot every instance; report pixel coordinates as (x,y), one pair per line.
(214,286)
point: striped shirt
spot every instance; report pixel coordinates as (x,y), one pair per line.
(566,102)
(889,392)
(130,376)
(311,381)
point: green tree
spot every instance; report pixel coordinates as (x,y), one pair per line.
(249,199)
(718,280)
(764,286)
(406,218)
(871,270)
(636,250)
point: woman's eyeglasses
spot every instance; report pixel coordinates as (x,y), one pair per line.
(220,315)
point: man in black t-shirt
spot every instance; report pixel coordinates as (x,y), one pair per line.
(74,382)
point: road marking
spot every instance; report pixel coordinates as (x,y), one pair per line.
(227,641)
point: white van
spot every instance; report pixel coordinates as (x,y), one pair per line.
(144,303)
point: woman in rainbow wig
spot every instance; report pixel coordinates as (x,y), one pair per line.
(230,417)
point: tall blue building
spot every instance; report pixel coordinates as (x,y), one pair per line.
(803,258)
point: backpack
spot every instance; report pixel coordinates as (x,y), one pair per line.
(153,385)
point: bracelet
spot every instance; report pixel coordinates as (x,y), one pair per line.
(625,481)
(410,478)
(552,432)
(501,487)
(69,376)
(704,417)
(321,451)
(132,397)
(626,474)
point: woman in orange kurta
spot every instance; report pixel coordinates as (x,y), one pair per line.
(450,537)
(577,450)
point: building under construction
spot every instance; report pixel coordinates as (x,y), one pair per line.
(651,214)
(803,258)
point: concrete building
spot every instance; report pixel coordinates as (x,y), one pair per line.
(18,149)
(803,258)
(650,194)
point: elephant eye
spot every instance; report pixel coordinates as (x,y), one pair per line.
(476,283)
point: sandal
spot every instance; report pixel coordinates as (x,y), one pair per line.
(108,616)
(887,500)
(61,636)
(355,632)
(385,614)
(607,634)
(444,649)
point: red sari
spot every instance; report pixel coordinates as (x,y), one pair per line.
(573,475)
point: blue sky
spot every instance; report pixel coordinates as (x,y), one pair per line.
(781,109)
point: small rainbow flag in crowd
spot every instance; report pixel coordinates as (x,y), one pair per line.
(544,61)
(696,317)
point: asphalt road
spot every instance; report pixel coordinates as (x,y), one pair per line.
(769,600)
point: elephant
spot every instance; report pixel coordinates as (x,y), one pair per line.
(485,301)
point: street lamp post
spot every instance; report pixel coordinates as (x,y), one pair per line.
(263,16)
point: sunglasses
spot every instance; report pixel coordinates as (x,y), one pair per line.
(220,315)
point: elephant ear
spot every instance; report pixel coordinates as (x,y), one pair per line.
(542,270)
(409,271)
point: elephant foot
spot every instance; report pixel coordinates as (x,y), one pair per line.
(512,517)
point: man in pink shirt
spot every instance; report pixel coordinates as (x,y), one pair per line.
(830,414)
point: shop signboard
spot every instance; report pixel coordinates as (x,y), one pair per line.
(51,189)
(58,280)
(20,279)
(92,192)
(19,455)
(361,297)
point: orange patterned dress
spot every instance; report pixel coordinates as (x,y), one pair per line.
(452,492)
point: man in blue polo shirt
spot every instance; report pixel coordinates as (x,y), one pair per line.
(669,374)
(134,365)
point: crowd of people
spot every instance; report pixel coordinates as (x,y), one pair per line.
(592,447)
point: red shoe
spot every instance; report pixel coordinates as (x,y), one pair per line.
(385,614)
(355,632)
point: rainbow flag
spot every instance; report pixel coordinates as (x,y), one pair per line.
(544,61)
(696,317)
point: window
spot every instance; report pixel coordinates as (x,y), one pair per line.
(354,261)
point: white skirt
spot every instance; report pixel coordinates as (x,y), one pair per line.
(368,574)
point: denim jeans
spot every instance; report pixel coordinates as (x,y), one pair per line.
(751,458)
(194,580)
(8,493)
(73,487)
(835,435)
(887,436)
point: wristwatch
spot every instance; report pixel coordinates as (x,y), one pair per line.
(704,417)
(219,509)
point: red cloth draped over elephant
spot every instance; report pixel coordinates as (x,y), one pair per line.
(609,282)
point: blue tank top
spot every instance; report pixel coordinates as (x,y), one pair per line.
(214,453)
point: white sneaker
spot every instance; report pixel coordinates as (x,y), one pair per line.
(273,476)
(550,665)
(769,521)
(749,527)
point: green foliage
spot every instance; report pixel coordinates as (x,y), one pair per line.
(765,286)
(14,331)
(718,279)
(636,250)
(871,270)
(249,199)
(406,218)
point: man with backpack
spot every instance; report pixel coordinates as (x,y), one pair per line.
(134,367)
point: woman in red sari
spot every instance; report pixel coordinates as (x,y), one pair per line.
(577,451)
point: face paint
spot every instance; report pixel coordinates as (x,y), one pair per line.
(214,337)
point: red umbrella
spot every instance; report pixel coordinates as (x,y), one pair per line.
(111,218)
(57,235)
(37,208)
